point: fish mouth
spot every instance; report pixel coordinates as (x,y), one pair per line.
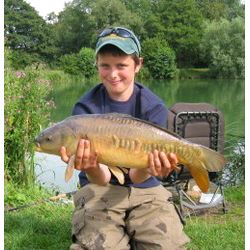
(37,146)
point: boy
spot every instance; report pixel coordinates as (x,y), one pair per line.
(107,214)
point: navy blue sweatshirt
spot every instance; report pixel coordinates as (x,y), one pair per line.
(142,104)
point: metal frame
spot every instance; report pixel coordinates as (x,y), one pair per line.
(211,117)
(184,200)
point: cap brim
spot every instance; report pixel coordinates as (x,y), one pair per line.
(129,48)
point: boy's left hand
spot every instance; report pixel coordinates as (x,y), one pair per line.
(161,164)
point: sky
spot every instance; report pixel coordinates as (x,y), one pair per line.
(44,7)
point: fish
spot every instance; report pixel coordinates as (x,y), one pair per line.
(124,142)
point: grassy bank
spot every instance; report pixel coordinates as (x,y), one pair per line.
(38,223)
(215,230)
(194,73)
(47,225)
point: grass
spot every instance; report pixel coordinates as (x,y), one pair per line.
(47,225)
(39,226)
(215,230)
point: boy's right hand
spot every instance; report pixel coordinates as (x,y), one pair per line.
(84,159)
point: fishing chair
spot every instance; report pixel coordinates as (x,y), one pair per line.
(203,124)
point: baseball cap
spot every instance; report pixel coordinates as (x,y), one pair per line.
(120,37)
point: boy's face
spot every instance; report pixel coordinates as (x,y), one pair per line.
(117,73)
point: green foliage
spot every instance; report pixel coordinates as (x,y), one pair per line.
(69,63)
(81,21)
(159,58)
(27,34)
(193,73)
(115,13)
(81,63)
(86,62)
(234,174)
(217,9)
(26,109)
(223,45)
(182,21)
(20,59)
(75,28)
(213,10)
(16,195)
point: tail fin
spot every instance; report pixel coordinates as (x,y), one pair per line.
(200,175)
(209,161)
(212,160)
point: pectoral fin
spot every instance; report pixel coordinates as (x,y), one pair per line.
(118,174)
(70,168)
(124,170)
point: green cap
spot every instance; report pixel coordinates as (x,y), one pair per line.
(129,44)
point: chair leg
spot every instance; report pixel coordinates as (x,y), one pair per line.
(225,210)
(180,210)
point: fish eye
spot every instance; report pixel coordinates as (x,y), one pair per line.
(48,139)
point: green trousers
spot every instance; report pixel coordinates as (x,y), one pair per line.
(108,217)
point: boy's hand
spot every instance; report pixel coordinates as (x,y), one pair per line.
(160,164)
(84,159)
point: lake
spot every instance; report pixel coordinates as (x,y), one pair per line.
(227,95)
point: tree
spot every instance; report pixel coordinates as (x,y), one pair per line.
(223,44)
(217,9)
(27,33)
(75,27)
(82,20)
(115,13)
(213,9)
(182,21)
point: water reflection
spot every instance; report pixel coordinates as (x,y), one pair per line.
(226,95)
(50,171)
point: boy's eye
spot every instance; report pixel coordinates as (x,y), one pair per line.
(121,66)
(104,66)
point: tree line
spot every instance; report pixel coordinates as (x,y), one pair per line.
(174,34)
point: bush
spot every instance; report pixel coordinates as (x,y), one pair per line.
(81,63)
(223,47)
(26,110)
(69,64)
(159,58)
(234,173)
(20,59)
(86,62)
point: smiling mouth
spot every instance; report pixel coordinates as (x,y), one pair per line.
(114,82)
